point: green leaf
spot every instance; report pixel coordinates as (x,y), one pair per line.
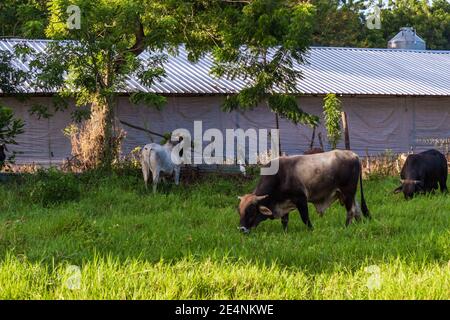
(332,113)
(148,99)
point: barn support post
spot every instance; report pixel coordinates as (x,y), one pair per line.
(414,129)
(345,127)
(311,145)
(368,161)
(141,129)
(321,141)
(277,123)
(49,142)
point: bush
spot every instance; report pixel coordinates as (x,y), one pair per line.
(332,113)
(50,187)
(10,127)
(385,164)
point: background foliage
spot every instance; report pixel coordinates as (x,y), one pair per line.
(332,114)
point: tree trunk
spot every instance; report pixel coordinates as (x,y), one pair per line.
(108,134)
(97,141)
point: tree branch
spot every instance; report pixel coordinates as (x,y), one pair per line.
(140,128)
(138,46)
(136,49)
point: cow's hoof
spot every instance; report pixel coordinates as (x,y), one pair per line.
(244,230)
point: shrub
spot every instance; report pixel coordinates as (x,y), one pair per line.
(332,113)
(50,187)
(385,164)
(10,127)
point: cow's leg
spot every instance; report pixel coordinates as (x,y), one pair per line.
(352,209)
(177,175)
(145,173)
(433,187)
(285,221)
(356,210)
(302,206)
(155,174)
(443,184)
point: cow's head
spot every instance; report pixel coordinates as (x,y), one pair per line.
(251,211)
(410,187)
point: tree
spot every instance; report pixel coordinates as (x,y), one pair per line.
(338,23)
(10,127)
(11,77)
(343,23)
(99,56)
(259,42)
(430,19)
(23,18)
(332,113)
(264,41)
(91,64)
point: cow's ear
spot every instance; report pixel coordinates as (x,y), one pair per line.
(399,189)
(265,211)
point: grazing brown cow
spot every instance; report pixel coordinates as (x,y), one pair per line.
(313,151)
(318,178)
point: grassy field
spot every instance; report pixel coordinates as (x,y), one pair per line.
(183,243)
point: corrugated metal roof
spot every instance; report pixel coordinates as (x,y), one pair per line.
(347,71)
(37,45)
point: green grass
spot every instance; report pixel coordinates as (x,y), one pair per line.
(183,243)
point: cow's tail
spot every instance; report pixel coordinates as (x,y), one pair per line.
(364,208)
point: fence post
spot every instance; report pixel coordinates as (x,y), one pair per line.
(345,126)
(277,123)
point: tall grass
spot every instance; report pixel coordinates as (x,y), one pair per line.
(183,243)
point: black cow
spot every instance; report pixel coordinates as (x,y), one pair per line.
(422,172)
(318,178)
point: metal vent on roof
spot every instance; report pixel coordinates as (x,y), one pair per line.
(407,39)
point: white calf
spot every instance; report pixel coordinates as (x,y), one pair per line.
(157,158)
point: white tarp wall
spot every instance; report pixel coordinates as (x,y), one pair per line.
(43,141)
(376,123)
